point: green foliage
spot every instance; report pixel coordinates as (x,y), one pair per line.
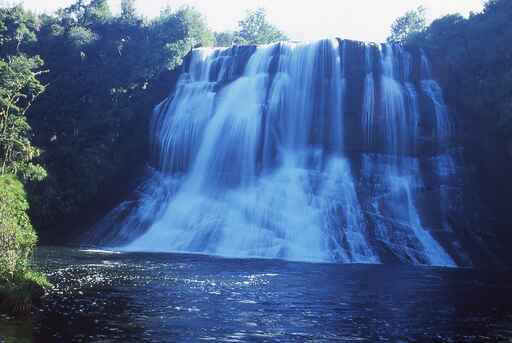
(17,237)
(17,30)
(81,37)
(410,24)
(19,87)
(253,29)
(87,12)
(128,11)
(256,29)
(224,39)
(175,33)
(36,278)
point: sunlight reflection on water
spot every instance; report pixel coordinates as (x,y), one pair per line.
(184,298)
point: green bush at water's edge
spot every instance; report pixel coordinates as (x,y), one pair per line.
(18,281)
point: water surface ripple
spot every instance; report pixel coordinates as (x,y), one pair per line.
(105,297)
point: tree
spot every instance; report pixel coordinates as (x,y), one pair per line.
(411,23)
(255,29)
(17,236)
(128,10)
(84,12)
(224,39)
(17,30)
(19,87)
(175,33)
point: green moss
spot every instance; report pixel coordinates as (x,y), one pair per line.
(36,279)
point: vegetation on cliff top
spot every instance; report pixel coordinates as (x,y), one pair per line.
(255,28)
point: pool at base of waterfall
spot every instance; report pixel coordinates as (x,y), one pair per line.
(101,296)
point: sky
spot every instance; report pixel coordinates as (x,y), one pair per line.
(365,20)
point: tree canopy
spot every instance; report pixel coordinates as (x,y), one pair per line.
(255,28)
(411,23)
(19,87)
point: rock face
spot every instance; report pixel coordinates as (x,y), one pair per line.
(486,170)
(333,151)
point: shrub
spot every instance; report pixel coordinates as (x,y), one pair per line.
(18,282)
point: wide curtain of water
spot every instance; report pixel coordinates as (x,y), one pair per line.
(325,151)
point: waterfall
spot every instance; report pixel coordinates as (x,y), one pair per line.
(299,151)
(399,173)
(444,163)
(368,96)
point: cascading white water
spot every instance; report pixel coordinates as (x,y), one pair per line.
(252,158)
(400,175)
(368,96)
(444,163)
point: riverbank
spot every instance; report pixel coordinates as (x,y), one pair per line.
(18,296)
(20,283)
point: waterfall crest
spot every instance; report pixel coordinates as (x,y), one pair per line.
(319,151)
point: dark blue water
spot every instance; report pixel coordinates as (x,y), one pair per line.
(188,298)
